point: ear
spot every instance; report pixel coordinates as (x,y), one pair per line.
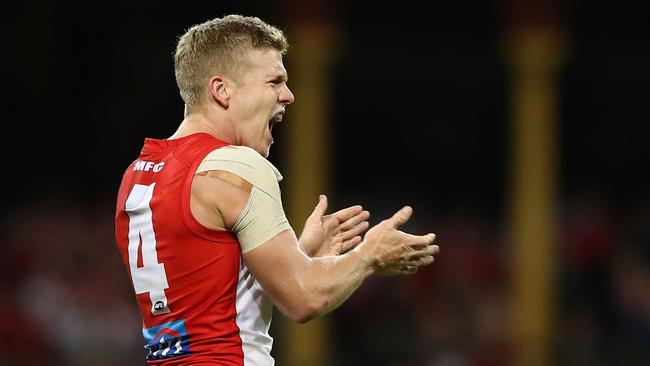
(220,90)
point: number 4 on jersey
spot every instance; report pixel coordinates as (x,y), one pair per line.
(151,276)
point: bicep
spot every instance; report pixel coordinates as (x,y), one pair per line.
(254,215)
(275,260)
(279,266)
(249,212)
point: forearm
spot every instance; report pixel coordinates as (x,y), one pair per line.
(329,281)
(304,288)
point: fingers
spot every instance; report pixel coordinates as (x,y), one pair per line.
(417,257)
(429,250)
(405,270)
(417,241)
(355,231)
(401,271)
(341,247)
(348,213)
(419,262)
(410,260)
(413,265)
(400,217)
(349,244)
(331,225)
(354,220)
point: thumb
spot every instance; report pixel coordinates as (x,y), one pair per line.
(321,207)
(401,216)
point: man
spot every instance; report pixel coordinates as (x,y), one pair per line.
(199,219)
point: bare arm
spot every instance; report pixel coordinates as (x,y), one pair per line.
(301,287)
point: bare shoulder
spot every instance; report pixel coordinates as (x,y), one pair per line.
(223,182)
(218,198)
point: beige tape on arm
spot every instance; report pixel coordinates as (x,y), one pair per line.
(263,217)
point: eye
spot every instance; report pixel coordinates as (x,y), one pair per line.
(278,80)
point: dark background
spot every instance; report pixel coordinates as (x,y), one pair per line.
(421,100)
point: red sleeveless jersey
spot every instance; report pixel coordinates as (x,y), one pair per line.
(185,276)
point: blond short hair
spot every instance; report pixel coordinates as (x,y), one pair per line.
(219,46)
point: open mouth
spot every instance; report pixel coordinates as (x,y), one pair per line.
(276,119)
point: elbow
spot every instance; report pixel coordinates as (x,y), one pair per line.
(308,310)
(303,318)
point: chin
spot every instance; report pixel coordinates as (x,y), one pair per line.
(263,150)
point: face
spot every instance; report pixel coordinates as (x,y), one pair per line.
(259,98)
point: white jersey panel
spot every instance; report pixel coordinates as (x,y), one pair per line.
(254,312)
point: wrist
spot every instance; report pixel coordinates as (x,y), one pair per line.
(365,258)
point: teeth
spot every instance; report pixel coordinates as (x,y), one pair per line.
(276,119)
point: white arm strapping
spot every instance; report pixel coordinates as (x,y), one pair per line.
(263,217)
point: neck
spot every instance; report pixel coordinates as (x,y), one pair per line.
(199,122)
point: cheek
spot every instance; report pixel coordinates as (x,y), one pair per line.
(257,109)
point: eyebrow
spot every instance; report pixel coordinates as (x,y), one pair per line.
(279,76)
(278,73)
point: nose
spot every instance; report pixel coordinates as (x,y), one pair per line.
(286,96)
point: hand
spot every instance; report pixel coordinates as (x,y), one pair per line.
(334,234)
(394,252)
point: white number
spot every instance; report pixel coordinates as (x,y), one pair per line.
(151,277)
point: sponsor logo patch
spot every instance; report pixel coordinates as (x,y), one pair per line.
(167,340)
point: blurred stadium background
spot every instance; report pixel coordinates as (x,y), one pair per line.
(518,131)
